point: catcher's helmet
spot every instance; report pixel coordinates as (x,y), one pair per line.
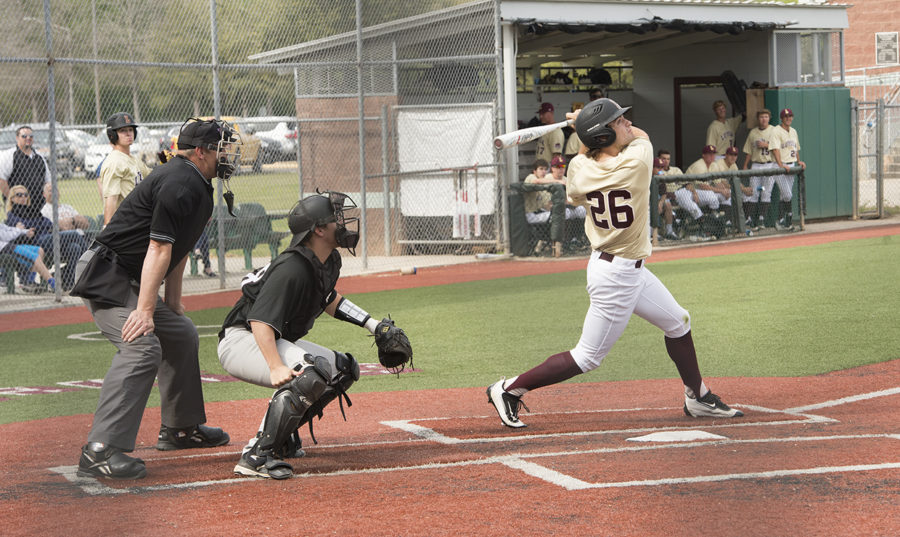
(591,125)
(116,122)
(319,210)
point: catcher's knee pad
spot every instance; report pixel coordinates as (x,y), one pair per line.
(347,373)
(291,402)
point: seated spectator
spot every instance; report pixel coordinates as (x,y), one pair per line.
(538,204)
(558,175)
(706,164)
(71,243)
(729,163)
(29,257)
(69,219)
(666,213)
(666,157)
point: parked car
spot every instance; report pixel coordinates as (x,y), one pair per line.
(279,132)
(7,138)
(252,148)
(68,156)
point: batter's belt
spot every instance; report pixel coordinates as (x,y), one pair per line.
(609,259)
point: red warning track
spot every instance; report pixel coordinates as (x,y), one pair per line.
(812,456)
(468,272)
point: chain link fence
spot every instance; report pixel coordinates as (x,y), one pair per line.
(877,157)
(392,103)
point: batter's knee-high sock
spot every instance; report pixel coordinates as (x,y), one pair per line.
(556,368)
(681,351)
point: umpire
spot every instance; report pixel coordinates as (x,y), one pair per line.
(146,243)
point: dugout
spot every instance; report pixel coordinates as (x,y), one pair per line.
(474,69)
(782,55)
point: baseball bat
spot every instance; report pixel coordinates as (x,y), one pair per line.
(523,136)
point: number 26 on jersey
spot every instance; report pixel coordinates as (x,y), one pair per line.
(609,210)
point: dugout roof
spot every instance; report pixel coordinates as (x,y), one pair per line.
(573,29)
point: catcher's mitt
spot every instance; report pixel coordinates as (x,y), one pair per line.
(394,349)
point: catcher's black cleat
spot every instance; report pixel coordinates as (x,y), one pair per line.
(506,404)
(101,460)
(198,436)
(264,465)
(709,406)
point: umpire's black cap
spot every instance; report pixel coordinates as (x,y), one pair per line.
(200,133)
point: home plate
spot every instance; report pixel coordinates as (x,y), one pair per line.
(677,436)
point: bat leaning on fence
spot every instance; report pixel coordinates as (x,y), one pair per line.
(523,136)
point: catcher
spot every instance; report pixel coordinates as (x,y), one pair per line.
(260,341)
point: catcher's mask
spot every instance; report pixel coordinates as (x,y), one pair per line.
(321,209)
(218,135)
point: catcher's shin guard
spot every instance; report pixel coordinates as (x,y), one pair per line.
(290,404)
(347,373)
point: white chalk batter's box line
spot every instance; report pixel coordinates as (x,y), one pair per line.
(520,461)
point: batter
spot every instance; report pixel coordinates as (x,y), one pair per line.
(613,184)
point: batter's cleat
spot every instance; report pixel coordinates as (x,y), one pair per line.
(264,465)
(101,460)
(709,406)
(506,404)
(198,436)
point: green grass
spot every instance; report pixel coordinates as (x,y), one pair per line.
(795,312)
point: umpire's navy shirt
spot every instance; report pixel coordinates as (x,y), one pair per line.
(172,204)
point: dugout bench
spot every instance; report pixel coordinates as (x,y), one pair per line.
(250,226)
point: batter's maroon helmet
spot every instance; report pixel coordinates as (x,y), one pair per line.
(592,124)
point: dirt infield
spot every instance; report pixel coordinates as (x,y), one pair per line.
(469,272)
(812,456)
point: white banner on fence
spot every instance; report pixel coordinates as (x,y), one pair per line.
(455,137)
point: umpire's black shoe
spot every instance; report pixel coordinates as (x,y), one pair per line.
(198,436)
(101,460)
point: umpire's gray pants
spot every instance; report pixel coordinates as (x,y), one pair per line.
(170,352)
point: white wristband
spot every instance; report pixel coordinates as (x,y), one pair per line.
(371,324)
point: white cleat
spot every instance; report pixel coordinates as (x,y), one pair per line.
(506,404)
(709,406)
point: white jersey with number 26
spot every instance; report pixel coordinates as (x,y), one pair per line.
(616,194)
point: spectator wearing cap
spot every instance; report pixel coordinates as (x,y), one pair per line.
(121,171)
(558,172)
(721,132)
(666,212)
(146,242)
(790,156)
(666,157)
(551,144)
(729,163)
(763,150)
(694,197)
